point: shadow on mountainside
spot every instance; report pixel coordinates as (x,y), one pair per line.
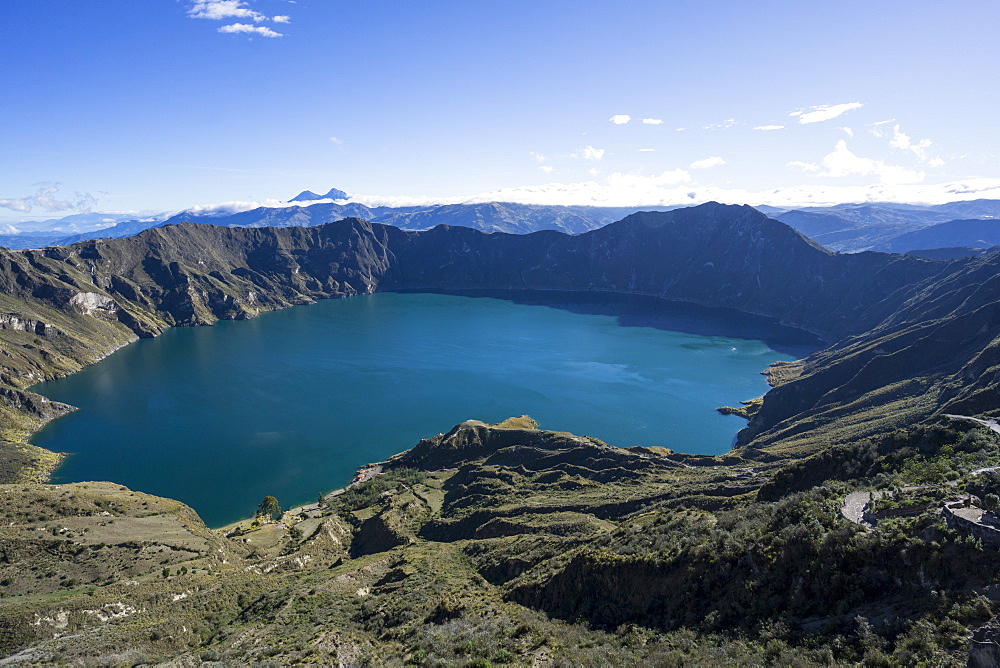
(642,311)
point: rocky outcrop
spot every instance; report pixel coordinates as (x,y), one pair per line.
(379,533)
(10,321)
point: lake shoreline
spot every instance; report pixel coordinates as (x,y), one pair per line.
(568,307)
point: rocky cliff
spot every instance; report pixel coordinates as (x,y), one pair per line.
(885,314)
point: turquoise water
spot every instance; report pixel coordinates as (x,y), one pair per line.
(293,402)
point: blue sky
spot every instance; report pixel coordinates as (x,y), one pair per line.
(157,105)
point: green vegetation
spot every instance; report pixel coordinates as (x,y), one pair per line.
(526,546)
(365,494)
(268,509)
(746,410)
(508,544)
(936,453)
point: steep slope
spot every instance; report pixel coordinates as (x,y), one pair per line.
(712,254)
(935,354)
(64,307)
(68,306)
(635,557)
(453,554)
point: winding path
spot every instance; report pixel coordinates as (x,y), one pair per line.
(991,424)
(856,503)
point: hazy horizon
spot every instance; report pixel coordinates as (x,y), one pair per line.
(178,104)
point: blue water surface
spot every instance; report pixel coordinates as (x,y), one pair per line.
(293,402)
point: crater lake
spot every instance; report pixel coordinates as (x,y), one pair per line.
(291,403)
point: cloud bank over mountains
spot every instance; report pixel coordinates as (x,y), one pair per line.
(670,188)
(46,199)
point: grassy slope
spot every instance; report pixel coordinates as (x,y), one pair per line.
(501,555)
(443,566)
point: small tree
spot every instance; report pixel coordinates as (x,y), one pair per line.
(269,508)
(991,502)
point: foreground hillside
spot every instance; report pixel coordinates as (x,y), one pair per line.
(509,544)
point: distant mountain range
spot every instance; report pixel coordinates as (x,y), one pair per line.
(850,228)
(309,196)
(965,228)
(969,233)
(487,217)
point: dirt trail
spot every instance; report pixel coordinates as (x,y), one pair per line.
(854,507)
(991,424)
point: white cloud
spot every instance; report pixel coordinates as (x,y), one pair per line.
(902,141)
(221,10)
(263,31)
(337,140)
(728,123)
(769,127)
(706,163)
(652,121)
(646,150)
(16,204)
(842,162)
(825,112)
(847,131)
(227,208)
(620,119)
(548,169)
(593,171)
(45,199)
(226,10)
(878,129)
(805,166)
(538,156)
(668,178)
(589,153)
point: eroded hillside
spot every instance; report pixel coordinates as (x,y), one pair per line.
(505,543)
(512,545)
(65,307)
